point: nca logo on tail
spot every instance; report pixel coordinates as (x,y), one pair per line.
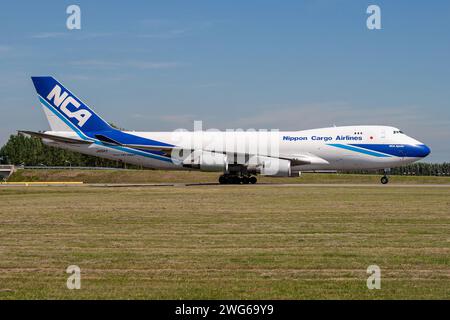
(63,100)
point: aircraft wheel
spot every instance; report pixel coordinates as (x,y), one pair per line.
(384,180)
(245,180)
(222,179)
(252,180)
(235,180)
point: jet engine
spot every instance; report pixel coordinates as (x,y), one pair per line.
(206,161)
(268,166)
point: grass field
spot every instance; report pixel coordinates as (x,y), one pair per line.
(214,242)
(158,176)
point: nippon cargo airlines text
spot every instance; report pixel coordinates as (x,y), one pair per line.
(323,138)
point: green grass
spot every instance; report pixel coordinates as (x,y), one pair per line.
(159,176)
(224,242)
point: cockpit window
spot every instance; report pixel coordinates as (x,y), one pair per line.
(397,131)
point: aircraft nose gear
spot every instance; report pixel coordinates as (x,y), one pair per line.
(385,178)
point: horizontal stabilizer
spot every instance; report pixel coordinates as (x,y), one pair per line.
(54,138)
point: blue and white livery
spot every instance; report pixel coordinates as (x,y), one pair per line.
(238,155)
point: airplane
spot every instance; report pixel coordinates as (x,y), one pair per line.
(76,127)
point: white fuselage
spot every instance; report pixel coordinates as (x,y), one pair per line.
(334,148)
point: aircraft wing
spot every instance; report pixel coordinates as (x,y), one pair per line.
(107,140)
(149,147)
(54,138)
(167,151)
(296,160)
(304,159)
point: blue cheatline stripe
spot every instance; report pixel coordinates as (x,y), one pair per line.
(368,152)
(84,137)
(399,150)
(67,122)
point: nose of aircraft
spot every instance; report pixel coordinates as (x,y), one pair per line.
(422,150)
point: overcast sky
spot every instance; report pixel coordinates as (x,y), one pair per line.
(290,65)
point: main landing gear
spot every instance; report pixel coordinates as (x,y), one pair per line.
(235,179)
(385,178)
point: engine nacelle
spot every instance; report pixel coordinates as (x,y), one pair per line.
(206,161)
(268,166)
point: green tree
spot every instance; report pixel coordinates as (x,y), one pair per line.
(31,151)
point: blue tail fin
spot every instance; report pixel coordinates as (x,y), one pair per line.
(60,102)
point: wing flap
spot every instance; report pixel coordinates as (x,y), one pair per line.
(305,159)
(149,147)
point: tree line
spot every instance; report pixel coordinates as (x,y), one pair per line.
(423,169)
(30,151)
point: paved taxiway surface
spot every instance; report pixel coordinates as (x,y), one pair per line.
(128,185)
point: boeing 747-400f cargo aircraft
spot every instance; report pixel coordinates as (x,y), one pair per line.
(238,155)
